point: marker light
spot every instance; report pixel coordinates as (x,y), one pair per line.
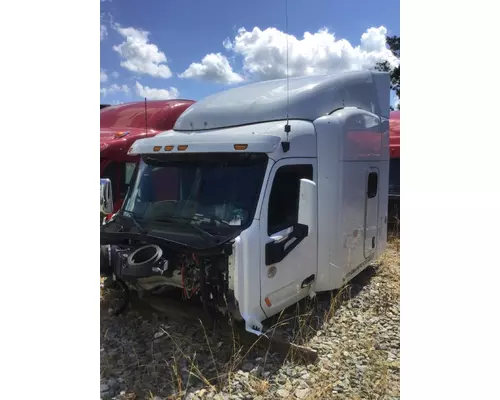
(240,146)
(157,148)
(119,135)
(169,148)
(182,147)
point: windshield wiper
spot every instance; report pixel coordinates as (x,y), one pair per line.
(134,220)
(188,220)
(219,220)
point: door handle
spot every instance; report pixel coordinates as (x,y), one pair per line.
(307,281)
(281,236)
(278,238)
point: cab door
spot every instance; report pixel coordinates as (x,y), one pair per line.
(288,249)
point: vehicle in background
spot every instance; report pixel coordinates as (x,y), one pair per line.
(121,126)
(260,196)
(394,167)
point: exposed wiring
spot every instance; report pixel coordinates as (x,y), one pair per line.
(188,293)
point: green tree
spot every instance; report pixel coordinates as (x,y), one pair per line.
(393,44)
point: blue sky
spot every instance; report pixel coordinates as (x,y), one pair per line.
(146,45)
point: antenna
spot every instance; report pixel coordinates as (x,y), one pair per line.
(146,113)
(286,144)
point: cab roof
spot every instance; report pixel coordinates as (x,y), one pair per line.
(307,98)
(133,115)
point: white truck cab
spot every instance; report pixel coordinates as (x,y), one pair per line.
(260,195)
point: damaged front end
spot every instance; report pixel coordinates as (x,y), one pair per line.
(154,266)
(177,226)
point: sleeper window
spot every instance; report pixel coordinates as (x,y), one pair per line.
(283,210)
(372,185)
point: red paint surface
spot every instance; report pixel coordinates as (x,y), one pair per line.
(367,144)
(364,143)
(394,134)
(131,117)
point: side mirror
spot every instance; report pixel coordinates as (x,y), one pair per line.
(308,204)
(106,196)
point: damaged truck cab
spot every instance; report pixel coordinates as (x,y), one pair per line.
(259,196)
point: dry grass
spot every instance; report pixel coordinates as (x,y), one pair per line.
(381,377)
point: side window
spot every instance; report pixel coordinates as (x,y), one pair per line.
(284,199)
(372,185)
(120,175)
(128,172)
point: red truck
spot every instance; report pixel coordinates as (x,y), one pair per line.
(121,126)
(394,146)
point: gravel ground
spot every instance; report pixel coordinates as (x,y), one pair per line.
(355,332)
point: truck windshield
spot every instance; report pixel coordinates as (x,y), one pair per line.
(203,189)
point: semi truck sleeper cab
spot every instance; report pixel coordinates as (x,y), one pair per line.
(250,212)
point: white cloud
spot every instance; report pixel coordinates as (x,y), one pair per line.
(139,55)
(104,76)
(114,88)
(213,67)
(373,40)
(104,31)
(264,52)
(115,74)
(156,94)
